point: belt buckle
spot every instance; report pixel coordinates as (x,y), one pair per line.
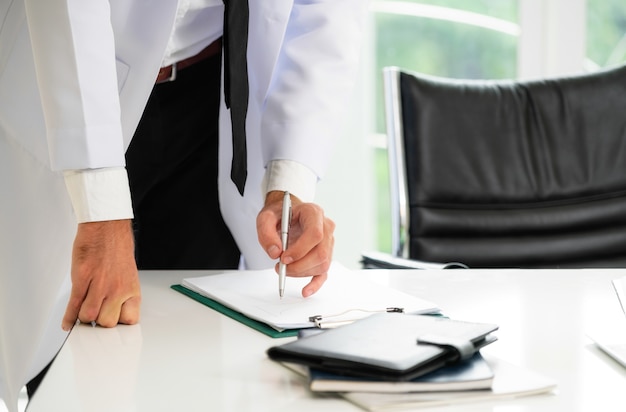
(172,76)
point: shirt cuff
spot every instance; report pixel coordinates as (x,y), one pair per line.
(99,194)
(287,175)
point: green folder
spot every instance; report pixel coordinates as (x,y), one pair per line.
(254,324)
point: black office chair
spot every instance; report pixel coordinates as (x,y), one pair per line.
(506,173)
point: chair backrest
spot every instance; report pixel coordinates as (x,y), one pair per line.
(508,173)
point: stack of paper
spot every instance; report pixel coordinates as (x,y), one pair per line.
(436,389)
(510,381)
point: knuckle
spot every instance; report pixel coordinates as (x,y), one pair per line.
(89,310)
(128,319)
(323,259)
(75,302)
(317,234)
(330,225)
(88,315)
(107,323)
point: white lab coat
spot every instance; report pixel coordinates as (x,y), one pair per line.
(74,79)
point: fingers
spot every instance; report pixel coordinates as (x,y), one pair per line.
(73,307)
(310,244)
(131,310)
(317,280)
(268,224)
(310,253)
(314,285)
(268,234)
(309,235)
(112,313)
(105,281)
(106,312)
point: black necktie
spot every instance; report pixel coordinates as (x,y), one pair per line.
(236,83)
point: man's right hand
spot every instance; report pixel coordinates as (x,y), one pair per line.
(105,281)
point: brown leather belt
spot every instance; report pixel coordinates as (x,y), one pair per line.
(168,73)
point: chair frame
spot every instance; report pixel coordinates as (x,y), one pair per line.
(397,171)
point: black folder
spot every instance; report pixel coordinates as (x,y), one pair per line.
(388,346)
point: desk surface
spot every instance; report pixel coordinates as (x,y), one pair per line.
(184,356)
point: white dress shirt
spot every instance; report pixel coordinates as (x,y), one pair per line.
(104,194)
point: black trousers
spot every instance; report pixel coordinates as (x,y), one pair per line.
(33,384)
(172,167)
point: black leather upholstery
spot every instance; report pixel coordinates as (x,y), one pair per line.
(516,174)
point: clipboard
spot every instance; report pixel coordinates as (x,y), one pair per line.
(346,296)
(256,325)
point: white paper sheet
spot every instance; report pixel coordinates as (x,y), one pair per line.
(346,295)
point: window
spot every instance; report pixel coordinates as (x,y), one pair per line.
(606,33)
(461,39)
(450,38)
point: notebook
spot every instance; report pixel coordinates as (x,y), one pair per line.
(388,346)
(472,374)
(615,347)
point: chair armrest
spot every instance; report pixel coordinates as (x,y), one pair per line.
(380,260)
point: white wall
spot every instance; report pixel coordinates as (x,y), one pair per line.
(346,192)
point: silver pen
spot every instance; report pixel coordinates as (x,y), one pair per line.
(284,237)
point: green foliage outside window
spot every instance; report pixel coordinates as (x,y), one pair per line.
(606,32)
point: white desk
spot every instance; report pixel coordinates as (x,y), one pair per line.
(184,356)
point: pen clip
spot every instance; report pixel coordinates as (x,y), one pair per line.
(289,219)
(323,322)
(285,223)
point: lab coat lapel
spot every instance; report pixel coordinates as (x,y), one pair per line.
(142,29)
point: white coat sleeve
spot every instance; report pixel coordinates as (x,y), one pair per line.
(312,81)
(74,53)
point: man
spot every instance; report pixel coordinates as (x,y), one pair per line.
(87,69)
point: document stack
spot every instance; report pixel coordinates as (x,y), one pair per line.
(395,361)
